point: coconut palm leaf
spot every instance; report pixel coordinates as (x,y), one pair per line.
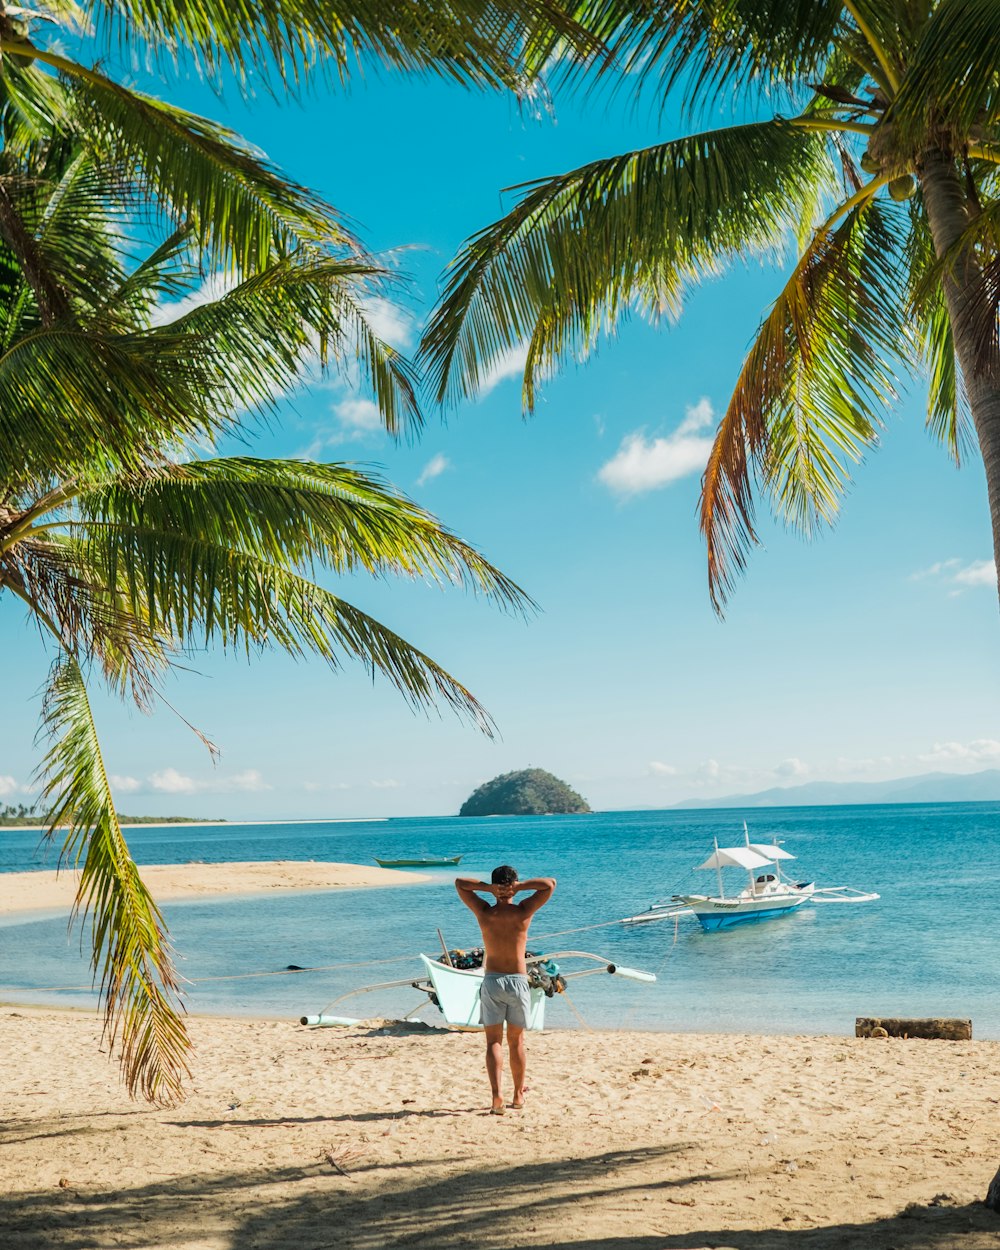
(252,343)
(500,42)
(132,957)
(579,251)
(809,396)
(193,376)
(954,63)
(314,516)
(201,173)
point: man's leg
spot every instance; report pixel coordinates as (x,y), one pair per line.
(494,1061)
(518,1061)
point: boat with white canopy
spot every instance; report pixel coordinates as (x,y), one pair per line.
(768,892)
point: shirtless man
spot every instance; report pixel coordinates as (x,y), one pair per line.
(505,994)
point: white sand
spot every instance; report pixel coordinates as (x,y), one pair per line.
(377,1137)
(48,890)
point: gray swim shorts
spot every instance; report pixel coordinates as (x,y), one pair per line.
(505,996)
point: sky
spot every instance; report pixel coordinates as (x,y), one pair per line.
(871,652)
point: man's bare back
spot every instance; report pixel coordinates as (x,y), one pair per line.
(505,996)
(504,926)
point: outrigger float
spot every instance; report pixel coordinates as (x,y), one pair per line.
(767,894)
(452,981)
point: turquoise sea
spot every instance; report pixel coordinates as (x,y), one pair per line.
(928,947)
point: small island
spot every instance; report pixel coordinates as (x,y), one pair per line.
(529,792)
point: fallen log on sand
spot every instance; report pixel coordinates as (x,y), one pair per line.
(888,1026)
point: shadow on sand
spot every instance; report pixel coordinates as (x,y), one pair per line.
(614,1195)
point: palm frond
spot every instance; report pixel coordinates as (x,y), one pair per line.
(239,206)
(951,80)
(89,616)
(250,345)
(131,954)
(580,250)
(810,393)
(136,395)
(295,513)
(711,49)
(497,43)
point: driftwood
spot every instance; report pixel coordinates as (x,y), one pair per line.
(885,1026)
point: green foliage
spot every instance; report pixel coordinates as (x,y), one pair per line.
(880,168)
(116,361)
(529,792)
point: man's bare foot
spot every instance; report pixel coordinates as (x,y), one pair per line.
(517,1103)
(498,1108)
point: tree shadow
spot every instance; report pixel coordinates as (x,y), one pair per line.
(370,1205)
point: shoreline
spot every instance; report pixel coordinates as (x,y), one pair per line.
(380,1136)
(45,889)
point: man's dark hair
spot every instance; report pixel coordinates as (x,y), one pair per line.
(504,875)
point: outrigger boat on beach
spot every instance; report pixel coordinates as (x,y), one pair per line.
(452,981)
(767,894)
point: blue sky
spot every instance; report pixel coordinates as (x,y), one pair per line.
(869,653)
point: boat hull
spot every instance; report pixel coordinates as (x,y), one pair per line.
(724,913)
(457,991)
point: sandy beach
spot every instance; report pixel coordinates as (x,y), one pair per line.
(50,890)
(377,1136)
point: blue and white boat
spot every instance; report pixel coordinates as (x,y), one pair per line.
(768,893)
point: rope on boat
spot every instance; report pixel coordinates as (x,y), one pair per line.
(288,972)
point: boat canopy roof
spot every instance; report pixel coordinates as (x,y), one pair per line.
(736,857)
(770,852)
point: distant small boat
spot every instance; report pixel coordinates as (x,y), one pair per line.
(768,892)
(422,861)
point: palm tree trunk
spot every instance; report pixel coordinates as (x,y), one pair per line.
(947,205)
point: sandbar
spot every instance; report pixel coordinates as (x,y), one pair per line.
(378,1136)
(46,890)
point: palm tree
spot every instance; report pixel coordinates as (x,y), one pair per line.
(120,534)
(880,171)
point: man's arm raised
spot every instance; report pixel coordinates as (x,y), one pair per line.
(467,888)
(542,887)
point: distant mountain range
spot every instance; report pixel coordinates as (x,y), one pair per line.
(980,787)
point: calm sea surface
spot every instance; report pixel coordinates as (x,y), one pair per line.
(928,947)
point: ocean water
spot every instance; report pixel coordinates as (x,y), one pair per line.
(928,947)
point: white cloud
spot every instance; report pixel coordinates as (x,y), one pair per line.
(214,286)
(641,464)
(250,780)
(978,573)
(433,468)
(510,365)
(955,573)
(170,781)
(662,770)
(390,322)
(979,751)
(125,785)
(8,786)
(358,415)
(385,785)
(792,768)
